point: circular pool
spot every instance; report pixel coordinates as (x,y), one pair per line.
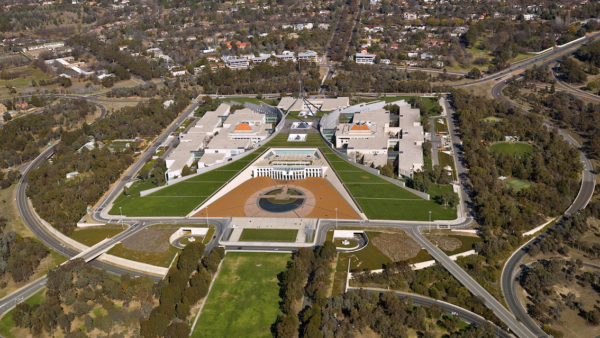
(279,201)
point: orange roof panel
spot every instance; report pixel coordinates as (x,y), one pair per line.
(244,126)
(360,127)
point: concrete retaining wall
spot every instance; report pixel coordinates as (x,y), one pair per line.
(133,265)
(193,231)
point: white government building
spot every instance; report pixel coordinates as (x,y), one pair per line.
(369,136)
(217,136)
(290,164)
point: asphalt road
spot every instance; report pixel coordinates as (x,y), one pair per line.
(464,314)
(547,57)
(477,290)
(511,268)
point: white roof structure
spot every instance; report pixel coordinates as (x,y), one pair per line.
(325,104)
(195,139)
(369,135)
(242,130)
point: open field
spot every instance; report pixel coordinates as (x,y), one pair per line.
(514,148)
(26,75)
(92,235)
(7,324)
(447,160)
(493,119)
(268,235)
(244,300)
(517,184)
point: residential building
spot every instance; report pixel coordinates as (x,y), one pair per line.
(364,58)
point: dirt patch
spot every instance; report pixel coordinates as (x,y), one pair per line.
(397,246)
(149,240)
(445,243)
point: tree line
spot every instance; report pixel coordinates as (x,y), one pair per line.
(281,77)
(185,284)
(354,77)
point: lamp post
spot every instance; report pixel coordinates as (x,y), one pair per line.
(121,212)
(429,216)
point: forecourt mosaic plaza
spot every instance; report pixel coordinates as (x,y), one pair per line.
(284,183)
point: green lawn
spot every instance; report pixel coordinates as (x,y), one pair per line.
(380,199)
(93,235)
(445,160)
(244,300)
(441,126)
(242,100)
(269,235)
(517,184)
(514,148)
(7,323)
(28,74)
(493,119)
(162,258)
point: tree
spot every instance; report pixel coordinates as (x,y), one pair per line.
(177,330)
(6,116)
(474,73)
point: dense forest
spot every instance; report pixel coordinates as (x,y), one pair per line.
(81,300)
(18,256)
(136,65)
(63,202)
(307,312)
(550,172)
(22,138)
(261,78)
(353,77)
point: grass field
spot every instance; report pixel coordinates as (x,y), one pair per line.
(386,200)
(163,258)
(517,184)
(493,119)
(269,235)
(514,148)
(7,323)
(242,100)
(93,235)
(244,300)
(26,75)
